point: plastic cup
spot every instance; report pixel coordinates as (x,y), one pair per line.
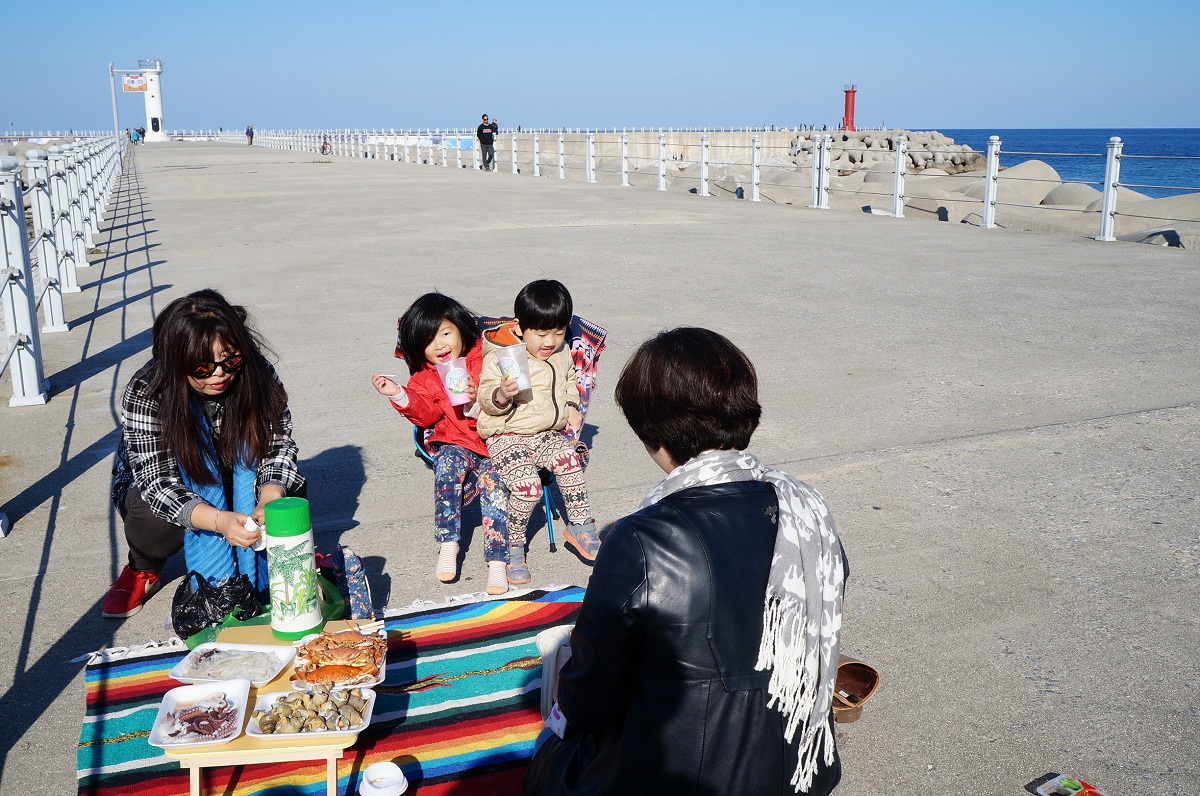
(383,779)
(514,364)
(455,380)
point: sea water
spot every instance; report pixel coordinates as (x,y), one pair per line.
(1175,152)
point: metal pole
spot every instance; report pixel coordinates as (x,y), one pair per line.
(704,165)
(991,177)
(112,90)
(818,150)
(590,158)
(755,162)
(826,156)
(43,237)
(60,203)
(29,386)
(1112,178)
(537,165)
(898,185)
(562,163)
(514,153)
(662,162)
(625,160)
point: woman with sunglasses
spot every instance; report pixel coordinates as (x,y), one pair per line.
(206,443)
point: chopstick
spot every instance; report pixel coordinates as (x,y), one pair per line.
(366,628)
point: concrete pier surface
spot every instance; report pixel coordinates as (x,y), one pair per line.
(1006,424)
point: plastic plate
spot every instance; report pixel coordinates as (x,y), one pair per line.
(283,654)
(300,685)
(186,696)
(266,700)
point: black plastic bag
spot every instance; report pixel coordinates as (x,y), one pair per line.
(204,605)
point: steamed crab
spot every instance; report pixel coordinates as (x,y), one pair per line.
(342,658)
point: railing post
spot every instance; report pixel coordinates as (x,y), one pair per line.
(704,165)
(514,153)
(662,162)
(79,242)
(625,159)
(537,163)
(898,185)
(29,386)
(990,179)
(43,241)
(562,161)
(476,161)
(64,236)
(818,142)
(826,161)
(755,166)
(1112,178)
(444,152)
(407,157)
(590,158)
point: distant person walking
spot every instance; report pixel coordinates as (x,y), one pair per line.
(486,133)
(249,135)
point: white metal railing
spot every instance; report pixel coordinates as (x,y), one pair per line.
(704,160)
(66,193)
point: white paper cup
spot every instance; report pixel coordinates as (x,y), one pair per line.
(455,380)
(382,779)
(252,526)
(514,364)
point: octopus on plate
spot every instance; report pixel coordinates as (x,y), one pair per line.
(210,719)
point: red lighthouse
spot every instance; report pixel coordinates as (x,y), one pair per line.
(848,118)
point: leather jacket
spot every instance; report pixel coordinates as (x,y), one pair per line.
(660,693)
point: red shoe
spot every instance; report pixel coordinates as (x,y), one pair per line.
(132,589)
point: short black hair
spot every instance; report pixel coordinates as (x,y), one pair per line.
(419,324)
(689,390)
(544,304)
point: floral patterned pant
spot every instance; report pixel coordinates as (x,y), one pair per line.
(517,458)
(452,466)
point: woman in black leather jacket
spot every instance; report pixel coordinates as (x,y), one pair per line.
(698,666)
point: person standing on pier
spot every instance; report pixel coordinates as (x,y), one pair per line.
(486,133)
(249,135)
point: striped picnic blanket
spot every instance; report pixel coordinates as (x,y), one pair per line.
(458,712)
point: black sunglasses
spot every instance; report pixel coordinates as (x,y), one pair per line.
(231,364)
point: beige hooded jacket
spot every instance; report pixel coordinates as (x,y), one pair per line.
(543,407)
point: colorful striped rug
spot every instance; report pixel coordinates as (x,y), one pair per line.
(458,711)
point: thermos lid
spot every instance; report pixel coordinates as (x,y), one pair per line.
(287,516)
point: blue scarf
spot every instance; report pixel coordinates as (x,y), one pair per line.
(207,552)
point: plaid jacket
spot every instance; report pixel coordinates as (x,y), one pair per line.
(144,462)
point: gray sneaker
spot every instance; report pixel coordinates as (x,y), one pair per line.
(518,570)
(584,539)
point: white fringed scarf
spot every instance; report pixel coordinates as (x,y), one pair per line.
(802,617)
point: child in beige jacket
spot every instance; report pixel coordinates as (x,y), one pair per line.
(523,428)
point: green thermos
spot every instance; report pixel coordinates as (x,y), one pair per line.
(291,569)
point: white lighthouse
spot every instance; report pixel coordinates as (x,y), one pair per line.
(156,128)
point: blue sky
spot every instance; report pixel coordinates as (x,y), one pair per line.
(920,65)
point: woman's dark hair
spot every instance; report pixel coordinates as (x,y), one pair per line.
(544,304)
(419,324)
(184,334)
(689,390)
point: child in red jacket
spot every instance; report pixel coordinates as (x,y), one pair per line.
(437,329)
